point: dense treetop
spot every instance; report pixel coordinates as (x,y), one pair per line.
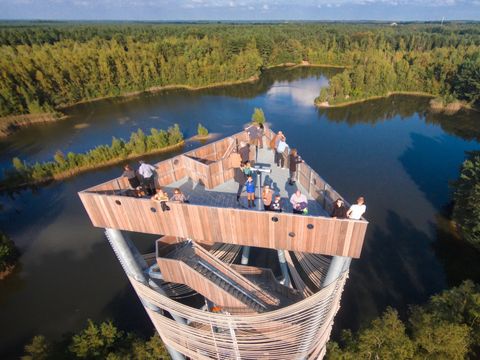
(44,66)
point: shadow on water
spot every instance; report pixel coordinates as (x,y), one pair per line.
(458,258)
(411,273)
(432,163)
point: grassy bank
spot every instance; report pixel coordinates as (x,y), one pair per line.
(10,124)
(327,105)
(65,166)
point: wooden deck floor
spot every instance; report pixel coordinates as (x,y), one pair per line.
(224,195)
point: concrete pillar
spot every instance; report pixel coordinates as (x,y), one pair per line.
(245,255)
(283,267)
(129,258)
(338,265)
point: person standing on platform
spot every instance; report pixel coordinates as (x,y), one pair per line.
(250,187)
(295,159)
(299,203)
(255,135)
(267,195)
(131,176)
(244,172)
(147,172)
(357,210)
(339,210)
(282,149)
(244,152)
(274,144)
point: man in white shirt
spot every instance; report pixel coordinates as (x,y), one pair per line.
(357,210)
(147,172)
(282,151)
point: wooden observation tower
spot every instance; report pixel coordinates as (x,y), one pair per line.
(226,281)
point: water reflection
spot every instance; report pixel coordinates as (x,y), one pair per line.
(392,150)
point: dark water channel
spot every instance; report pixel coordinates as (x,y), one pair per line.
(393,151)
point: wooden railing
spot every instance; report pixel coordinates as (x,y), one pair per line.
(319,235)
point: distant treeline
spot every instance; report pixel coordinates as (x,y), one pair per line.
(453,73)
(46,66)
(66,165)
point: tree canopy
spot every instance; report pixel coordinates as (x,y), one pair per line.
(45,66)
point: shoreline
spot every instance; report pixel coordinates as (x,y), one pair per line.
(326,105)
(71,173)
(12,123)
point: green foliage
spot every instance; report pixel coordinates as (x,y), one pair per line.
(47,65)
(38,349)
(447,327)
(202,131)
(8,252)
(258,116)
(139,144)
(96,341)
(466,82)
(102,341)
(466,197)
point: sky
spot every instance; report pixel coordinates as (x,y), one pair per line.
(167,10)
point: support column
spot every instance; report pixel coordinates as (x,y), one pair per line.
(245,255)
(338,265)
(129,258)
(283,267)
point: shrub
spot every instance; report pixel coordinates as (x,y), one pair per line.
(258,116)
(8,252)
(202,131)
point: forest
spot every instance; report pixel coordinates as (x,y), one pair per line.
(46,66)
(446,327)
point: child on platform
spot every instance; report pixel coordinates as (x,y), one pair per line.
(250,187)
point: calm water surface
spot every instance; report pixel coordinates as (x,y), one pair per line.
(393,151)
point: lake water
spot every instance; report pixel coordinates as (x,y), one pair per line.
(394,151)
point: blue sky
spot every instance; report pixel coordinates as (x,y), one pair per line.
(241,10)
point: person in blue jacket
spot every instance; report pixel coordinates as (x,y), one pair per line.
(250,187)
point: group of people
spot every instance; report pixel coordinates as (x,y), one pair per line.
(284,156)
(142,182)
(161,196)
(355,212)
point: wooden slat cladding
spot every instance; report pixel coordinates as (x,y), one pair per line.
(319,235)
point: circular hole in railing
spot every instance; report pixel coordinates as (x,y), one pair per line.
(152,209)
(291,234)
(118,202)
(176,161)
(274,219)
(310,226)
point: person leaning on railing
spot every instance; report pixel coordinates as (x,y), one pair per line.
(161,197)
(178,196)
(339,210)
(131,176)
(299,203)
(357,210)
